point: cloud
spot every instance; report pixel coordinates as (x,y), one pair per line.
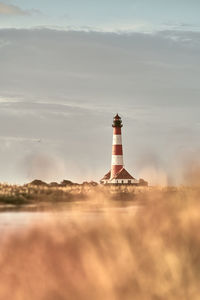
(63,88)
(8,9)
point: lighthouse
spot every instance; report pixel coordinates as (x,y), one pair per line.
(118,174)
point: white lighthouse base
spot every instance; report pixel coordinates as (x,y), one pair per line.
(123,181)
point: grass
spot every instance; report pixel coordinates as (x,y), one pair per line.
(13,200)
(36,194)
(152,254)
(29,194)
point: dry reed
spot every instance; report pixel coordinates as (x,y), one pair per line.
(151,254)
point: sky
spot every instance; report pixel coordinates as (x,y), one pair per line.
(104,15)
(66,67)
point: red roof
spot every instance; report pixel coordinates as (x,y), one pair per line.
(123,174)
(107,176)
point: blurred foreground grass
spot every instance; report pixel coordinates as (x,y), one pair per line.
(153,254)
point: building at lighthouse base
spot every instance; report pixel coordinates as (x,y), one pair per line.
(122,177)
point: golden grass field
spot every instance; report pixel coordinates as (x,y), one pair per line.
(152,252)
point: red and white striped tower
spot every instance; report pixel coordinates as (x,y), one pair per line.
(117,151)
(118,174)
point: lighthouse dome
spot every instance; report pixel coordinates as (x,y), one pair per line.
(117,122)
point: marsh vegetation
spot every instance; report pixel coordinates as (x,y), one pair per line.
(151,253)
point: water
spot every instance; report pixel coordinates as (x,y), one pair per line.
(25,219)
